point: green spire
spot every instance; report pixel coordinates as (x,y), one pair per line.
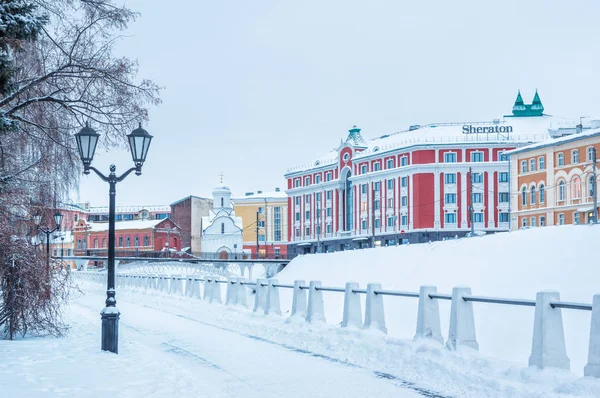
(520,109)
(519,100)
(536,98)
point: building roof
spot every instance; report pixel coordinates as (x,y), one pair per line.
(125,225)
(557,141)
(188,197)
(127,209)
(252,196)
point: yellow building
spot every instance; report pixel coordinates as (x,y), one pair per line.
(265,220)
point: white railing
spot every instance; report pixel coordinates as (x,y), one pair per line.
(548,347)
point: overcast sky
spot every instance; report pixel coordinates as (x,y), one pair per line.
(253,88)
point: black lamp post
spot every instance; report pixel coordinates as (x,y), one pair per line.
(139,142)
(47,231)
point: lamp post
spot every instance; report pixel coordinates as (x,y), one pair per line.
(47,231)
(139,142)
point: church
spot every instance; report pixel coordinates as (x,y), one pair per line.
(222,231)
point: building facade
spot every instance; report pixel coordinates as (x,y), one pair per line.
(188,213)
(265,217)
(127,213)
(412,186)
(552,181)
(222,230)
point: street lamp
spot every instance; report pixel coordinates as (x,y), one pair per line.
(139,142)
(47,231)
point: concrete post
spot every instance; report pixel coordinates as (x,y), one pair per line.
(189,287)
(242,298)
(316,311)
(593,366)
(176,285)
(272,306)
(548,348)
(164,281)
(352,311)
(374,314)
(216,292)
(260,300)
(231,292)
(299,300)
(462,321)
(207,289)
(428,317)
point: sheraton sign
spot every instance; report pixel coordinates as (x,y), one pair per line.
(468,129)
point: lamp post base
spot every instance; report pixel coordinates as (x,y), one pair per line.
(110,329)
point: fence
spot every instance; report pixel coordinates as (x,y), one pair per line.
(548,346)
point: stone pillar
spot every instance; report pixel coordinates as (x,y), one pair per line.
(272,306)
(231,292)
(216,292)
(548,348)
(374,313)
(428,316)
(299,300)
(593,366)
(352,311)
(316,310)
(462,321)
(241,293)
(260,299)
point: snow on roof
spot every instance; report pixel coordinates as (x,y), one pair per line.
(126,209)
(121,225)
(557,141)
(522,129)
(261,195)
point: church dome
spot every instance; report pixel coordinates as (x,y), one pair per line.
(221,189)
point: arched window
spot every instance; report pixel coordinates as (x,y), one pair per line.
(524,197)
(532,199)
(95,243)
(120,241)
(576,188)
(222,228)
(79,244)
(146,241)
(222,202)
(542,194)
(103,242)
(590,154)
(137,241)
(532,165)
(561,191)
(128,242)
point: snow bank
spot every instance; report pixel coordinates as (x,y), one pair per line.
(510,265)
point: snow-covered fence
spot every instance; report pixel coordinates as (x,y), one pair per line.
(548,342)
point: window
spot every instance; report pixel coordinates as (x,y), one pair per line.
(542,221)
(503,197)
(390,203)
(450,198)
(328,229)
(128,242)
(103,242)
(477,178)
(541,163)
(390,184)
(590,155)
(120,241)
(450,157)
(261,237)
(296,183)
(576,188)
(524,166)
(532,196)
(476,156)
(404,201)
(363,188)
(328,212)
(306,181)
(576,218)
(376,185)
(449,218)
(450,178)
(328,176)
(560,159)
(574,156)
(307,231)
(222,202)
(524,222)
(261,210)
(363,169)
(307,214)
(363,207)
(503,157)
(561,191)
(404,182)
(404,220)
(318,196)
(297,232)
(328,195)
(363,224)
(532,165)
(542,193)
(377,166)
(277,252)
(377,205)
(377,223)
(390,164)
(477,198)
(524,197)
(146,241)
(95,243)
(306,200)
(297,216)
(503,177)
(561,219)
(136,241)
(503,217)
(533,222)
(390,221)
(404,161)
(298,200)
(478,217)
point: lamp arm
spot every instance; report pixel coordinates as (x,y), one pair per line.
(122,176)
(95,170)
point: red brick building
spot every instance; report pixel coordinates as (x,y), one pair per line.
(187,213)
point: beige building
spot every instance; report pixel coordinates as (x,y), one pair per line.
(265,220)
(552,181)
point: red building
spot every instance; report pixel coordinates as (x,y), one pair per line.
(138,235)
(411,186)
